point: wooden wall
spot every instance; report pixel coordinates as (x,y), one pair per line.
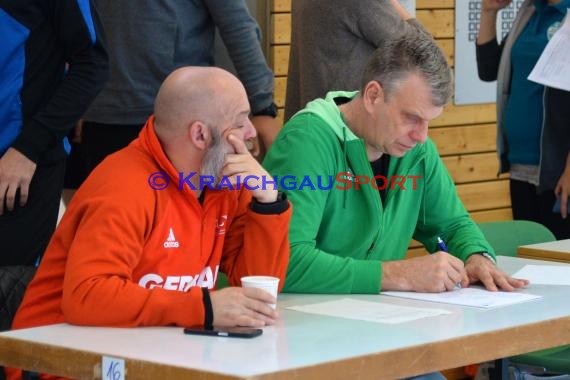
(464,135)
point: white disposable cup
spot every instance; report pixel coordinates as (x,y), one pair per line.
(267,283)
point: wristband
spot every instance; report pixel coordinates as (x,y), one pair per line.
(486,255)
(268,111)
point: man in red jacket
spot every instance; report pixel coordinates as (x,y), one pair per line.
(143,239)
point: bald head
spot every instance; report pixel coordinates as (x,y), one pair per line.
(195,94)
(196,111)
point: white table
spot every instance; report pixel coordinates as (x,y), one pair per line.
(553,251)
(305,346)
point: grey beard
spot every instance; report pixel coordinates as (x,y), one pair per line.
(214,158)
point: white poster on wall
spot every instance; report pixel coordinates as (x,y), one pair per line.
(469,89)
(409,6)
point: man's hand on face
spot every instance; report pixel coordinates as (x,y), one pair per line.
(253,147)
(242,307)
(434,273)
(250,172)
(480,268)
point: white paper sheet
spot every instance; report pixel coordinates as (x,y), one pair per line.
(545,274)
(553,66)
(368,311)
(472,296)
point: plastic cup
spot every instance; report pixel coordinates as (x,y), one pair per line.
(267,283)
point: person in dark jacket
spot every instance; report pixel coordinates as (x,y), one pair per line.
(52,64)
(533,134)
(148,42)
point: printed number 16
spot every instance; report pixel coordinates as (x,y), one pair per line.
(113,373)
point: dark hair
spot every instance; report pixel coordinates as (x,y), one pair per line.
(414,51)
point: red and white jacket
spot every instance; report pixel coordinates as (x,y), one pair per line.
(128,255)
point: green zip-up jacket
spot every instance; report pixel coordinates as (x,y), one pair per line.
(340,236)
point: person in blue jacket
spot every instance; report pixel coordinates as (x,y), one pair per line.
(52,64)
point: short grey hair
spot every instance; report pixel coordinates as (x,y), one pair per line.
(415,51)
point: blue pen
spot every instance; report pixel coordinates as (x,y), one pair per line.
(442,247)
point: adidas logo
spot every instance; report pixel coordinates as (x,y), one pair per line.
(171,241)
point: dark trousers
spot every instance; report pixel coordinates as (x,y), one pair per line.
(97,142)
(530,204)
(101,140)
(25,231)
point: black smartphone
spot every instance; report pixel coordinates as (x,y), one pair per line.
(232,332)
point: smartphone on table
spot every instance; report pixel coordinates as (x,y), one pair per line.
(231,332)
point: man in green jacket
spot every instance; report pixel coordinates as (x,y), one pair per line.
(364,179)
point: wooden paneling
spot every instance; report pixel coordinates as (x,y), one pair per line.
(280,29)
(280,91)
(434,4)
(440,23)
(485,195)
(415,244)
(279,59)
(464,139)
(280,6)
(470,114)
(472,167)
(492,215)
(280,116)
(448,47)
(416,252)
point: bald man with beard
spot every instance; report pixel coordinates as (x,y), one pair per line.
(142,242)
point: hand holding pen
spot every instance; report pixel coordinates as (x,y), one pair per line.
(481,267)
(436,273)
(443,248)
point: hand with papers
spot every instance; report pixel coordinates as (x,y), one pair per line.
(435,273)
(481,269)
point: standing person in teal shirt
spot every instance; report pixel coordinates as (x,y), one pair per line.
(533,121)
(353,239)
